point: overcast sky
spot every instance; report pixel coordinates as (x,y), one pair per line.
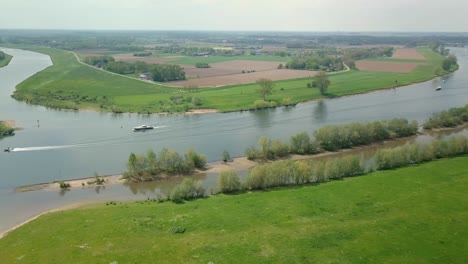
(271,15)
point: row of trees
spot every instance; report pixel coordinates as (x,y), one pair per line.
(167,162)
(284,173)
(450,118)
(333,137)
(202,65)
(417,153)
(316,63)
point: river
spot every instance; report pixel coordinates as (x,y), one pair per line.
(70,144)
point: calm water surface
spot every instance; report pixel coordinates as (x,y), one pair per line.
(69,144)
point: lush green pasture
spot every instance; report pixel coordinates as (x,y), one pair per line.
(6,60)
(69,84)
(412,215)
(214,59)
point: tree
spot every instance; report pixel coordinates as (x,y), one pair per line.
(266,87)
(226,156)
(322,81)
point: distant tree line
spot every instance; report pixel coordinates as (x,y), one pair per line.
(202,65)
(2,55)
(143,54)
(332,138)
(159,72)
(316,63)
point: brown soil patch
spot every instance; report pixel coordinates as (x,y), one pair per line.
(386,66)
(247,65)
(151,60)
(407,54)
(193,72)
(242,78)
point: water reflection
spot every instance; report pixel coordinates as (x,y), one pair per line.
(320,111)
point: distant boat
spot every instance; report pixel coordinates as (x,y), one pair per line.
(439,88)
(142,128)
(8,149)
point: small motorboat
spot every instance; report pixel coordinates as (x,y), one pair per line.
(142,128)
(439,88)
(8,149)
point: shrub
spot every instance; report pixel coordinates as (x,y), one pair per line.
(261,104)
(64,185)
(188,189)
(228,182)
(252,153)
(198,161)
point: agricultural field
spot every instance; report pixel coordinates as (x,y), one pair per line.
(245,78)
(403,60)
(386,66)
(411,215)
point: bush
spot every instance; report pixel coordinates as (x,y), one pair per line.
(301,144)
(202,65)
(228,182)
(198,161)
(252,153)
(451,118)
(64,185)
(188,189)
(261,104)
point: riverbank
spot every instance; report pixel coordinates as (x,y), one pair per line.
(330,222)
(65,85)
(6,60)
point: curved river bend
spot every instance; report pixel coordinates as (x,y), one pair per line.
(70,144)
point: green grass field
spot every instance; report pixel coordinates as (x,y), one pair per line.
(6,60)
(411,215)
(68,84)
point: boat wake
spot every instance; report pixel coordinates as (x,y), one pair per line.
(109,141)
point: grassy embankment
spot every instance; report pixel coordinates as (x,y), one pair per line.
(68,84)
(409,215)
(4,62)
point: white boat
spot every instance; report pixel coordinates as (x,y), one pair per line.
(439,88)
(142,128)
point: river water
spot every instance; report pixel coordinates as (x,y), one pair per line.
(59,145)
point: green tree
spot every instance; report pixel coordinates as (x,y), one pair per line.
(322,81)
(266,87)
(226,156)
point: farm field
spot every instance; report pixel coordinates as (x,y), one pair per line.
(404,60)
(69,84)
(410,215)
(386,66)
(408,53)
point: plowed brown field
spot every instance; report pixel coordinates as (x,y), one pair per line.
(407,54)
(386,66)
(241,78)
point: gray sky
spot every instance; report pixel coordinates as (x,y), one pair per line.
(274,15)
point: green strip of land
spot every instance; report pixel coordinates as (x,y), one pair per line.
(6,60)
(69,84)
(214,59)
(411,215)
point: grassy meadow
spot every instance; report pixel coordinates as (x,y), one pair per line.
(69,84)
(6,60)
(411,215)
